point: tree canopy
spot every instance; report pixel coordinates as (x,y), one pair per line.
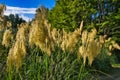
(104,15)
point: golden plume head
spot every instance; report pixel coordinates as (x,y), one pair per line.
(7,37)
(18,50)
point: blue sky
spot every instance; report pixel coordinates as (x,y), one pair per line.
(26,8)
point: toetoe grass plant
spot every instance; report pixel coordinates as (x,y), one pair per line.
(70,40)
(90,47)
(39,35)
(18,49)
(40,52)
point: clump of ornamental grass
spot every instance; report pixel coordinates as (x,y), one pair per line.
(64,40)
(22,31)
(7,37)
(90,47)
(73,38)
(67,41)
(40,32)
(57,37)
(108,43)
(40,35)
(18,50)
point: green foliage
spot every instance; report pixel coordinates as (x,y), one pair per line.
(102,62)
(59,65)
(15,21)
(3,56)
(68,14)
(103,14)
(113,28)
(108,19)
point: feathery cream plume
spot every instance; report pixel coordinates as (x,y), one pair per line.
(110,47)
(7,37)
(115,45)
(40,36)
(70,39)
(18,50)
(90,47)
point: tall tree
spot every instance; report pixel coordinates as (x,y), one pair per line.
(68,14)
(15,20)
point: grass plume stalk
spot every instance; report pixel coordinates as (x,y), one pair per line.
(67,41)
(90,47)
(7,37)
(73,38)
(18,50)
(40,36)
(57,37)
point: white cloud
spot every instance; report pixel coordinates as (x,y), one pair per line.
(25,17)
(20,11)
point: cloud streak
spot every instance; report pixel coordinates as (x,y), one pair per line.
(25,17)
(20,11)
